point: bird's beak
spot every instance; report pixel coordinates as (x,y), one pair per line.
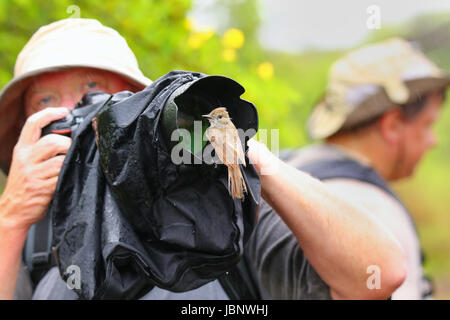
(207,116)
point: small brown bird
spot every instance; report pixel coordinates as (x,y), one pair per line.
(224,137)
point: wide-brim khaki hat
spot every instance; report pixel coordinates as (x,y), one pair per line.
(370,81)
(63,44)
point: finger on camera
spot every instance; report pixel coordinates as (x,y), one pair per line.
(51,145)
(50,185)
(32,129)
(50,168)
(47,189)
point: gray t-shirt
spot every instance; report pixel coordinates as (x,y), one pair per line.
(24,287)
(278,263)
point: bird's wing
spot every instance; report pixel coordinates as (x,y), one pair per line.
(229,152)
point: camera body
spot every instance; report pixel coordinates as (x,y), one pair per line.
(68,124)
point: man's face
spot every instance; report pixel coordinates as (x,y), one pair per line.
(66,88)
(417,137)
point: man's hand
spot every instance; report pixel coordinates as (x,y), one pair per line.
(33,175)
(264,161)
(32,178)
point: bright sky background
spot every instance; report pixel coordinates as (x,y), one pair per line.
(294,25)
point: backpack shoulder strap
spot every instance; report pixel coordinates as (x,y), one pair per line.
(348,169)
(37,253)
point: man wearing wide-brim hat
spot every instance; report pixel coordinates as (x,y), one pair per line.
(60,63)
(376,120)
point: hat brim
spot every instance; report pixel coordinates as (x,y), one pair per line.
(12,115)
(324,121)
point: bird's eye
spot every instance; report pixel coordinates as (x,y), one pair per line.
(220,116)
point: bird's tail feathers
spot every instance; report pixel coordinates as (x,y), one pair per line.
(236,183)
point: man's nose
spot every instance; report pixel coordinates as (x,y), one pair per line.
(69,101)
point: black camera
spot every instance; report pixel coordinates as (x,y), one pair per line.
(68,125)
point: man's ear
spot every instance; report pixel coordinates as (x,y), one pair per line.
(391,126)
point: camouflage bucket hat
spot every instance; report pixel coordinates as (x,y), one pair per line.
(369,81)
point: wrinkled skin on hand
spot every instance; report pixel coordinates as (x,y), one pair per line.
(33,175)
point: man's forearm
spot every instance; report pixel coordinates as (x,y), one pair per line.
(340,240)
(12,240)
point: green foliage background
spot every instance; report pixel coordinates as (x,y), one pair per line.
(159,34)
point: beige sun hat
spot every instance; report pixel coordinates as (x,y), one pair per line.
(369,81)
(60,45)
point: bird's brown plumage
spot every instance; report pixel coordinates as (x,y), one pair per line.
(224,137)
